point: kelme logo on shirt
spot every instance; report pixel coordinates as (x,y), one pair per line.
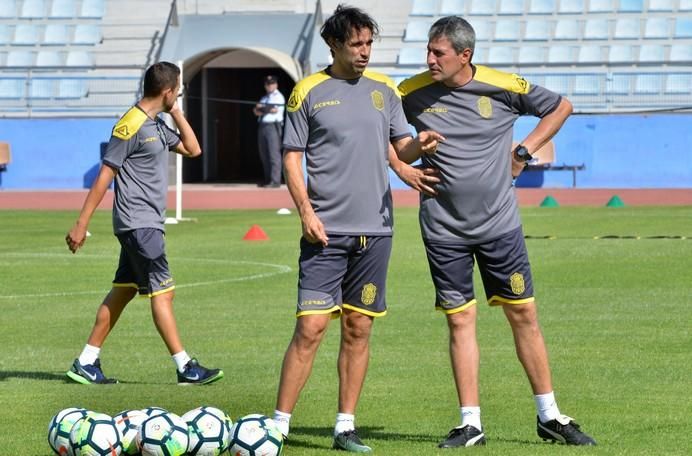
(516,281)
(377,99)
(121,130)
(485,109)
(368,294)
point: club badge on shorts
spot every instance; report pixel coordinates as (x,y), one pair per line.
(369,293)
(516,281)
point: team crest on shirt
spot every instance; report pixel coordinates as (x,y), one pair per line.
(369,293)
(516,281)
(377,99)
(485,108)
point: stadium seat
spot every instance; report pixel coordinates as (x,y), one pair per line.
(25,34)
(412,56)
(56,34)
(660,5)
(679,83)
(72,88)
(558,84)
(417,31)
(79,58)
(560,54)
(424,8)
(685,5)
(591,54)
(531,54)
(571,7)
(680,53)
(652,53)
(507,30)
(33,9)
(587,84)
(567,29)
(600,6)
(482,29)
(631,6)
(656,27)
(452,7)
(541,6)
(620,53)
(62,9)
(596,29)
(49,58)
(8,9)
(514,7)
(87,34)
(92,9)
(537,30)
(12,89)
(480,55)
(5,34)
(482,7)
(41,88)
(683,28)
(501,55)
(647,83)
(626,29)
(619,84)
(20,58)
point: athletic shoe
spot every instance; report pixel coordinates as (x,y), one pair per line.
(349,441)
(196,374)
(563,430)
(463,437)
(88,374)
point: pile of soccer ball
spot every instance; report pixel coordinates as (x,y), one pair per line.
(204,431)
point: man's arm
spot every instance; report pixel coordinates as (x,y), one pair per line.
(409,150)
(77,235)
(406,150)
(188,146)
(313,229)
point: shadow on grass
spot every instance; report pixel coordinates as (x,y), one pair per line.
(52,376)
(366,432)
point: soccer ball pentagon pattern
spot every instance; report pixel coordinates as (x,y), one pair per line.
(95,435)
(209,429)
(153,411)
(255,435)
(60,427)
(128,423)
(163,435)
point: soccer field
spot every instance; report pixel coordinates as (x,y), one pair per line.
(615,313)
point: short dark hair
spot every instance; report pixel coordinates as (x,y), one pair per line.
(159,77)
(338,27)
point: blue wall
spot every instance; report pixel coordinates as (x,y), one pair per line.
(619,151)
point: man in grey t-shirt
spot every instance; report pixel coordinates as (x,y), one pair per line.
(474,214)
(137,159)
(342,120)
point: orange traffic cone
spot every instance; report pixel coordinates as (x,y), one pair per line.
(255,233)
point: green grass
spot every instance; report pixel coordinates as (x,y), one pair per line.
(615,313)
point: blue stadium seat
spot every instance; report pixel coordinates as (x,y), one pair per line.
(620,84)
(33,9)
(626,29)
(501,54)
(537,30)
(541,6)
(480,55)
(49,58)
(507,30)
(620,53)
(566,29)
(656,27)
(41,88)
(417,30)
(62,9)
(679,83)
(12,89)
(8,9)
(72,88)
(56,34)
(652,53)
(531,54)
(20,58)
(515,7)
(452,7)
(631,6)
(79,58)
(571,7)
(92,9)
(482,29)
(561,54)
(412,56)
(685,5)
(591,54)
(680,53)
(660,5)
(596,29)
(25,34)
(482,7)
(558,84)
(87,34)
(5,34)
(587,84)
(600,6)
(648,83)
(683,28)
(424,8)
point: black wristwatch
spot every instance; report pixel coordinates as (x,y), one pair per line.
(522,153)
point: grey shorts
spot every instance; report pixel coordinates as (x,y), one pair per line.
(503,264)
(350,273)
(143,263)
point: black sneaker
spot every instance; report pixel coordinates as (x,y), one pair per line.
(349,441)
(196,374)
(563,430)
(88,374)
(463,437)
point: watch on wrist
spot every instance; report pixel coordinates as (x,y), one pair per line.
(522,153)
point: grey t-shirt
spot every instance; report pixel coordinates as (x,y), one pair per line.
(344,128)
(138,149)
(475,201)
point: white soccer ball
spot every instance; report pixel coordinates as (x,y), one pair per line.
(95,435)
(163,435)
(153,411)
(60,427)
(209,429)
(128,423)
(256,435)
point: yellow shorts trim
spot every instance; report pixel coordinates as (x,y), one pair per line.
(126,285)
(498,301)
(363,311)
(472,302)
(335,311)
(160,292)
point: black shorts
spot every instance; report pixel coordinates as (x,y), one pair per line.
(503,264)
(143,263)
(350,273)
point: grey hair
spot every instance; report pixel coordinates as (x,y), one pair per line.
(457,30)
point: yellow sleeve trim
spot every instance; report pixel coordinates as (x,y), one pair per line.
(304,86)
(379,77)
(414,83)
(511,82)
(130,123)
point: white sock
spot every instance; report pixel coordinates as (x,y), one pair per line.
(89,355)
(546,407)
(344,422)
(180,359)
(472,416)
(282,421)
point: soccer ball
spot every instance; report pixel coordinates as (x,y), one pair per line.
(128,423)
(209,429)
(95,435)
(153,411)
(163,435)
(60,427)
(256,435)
